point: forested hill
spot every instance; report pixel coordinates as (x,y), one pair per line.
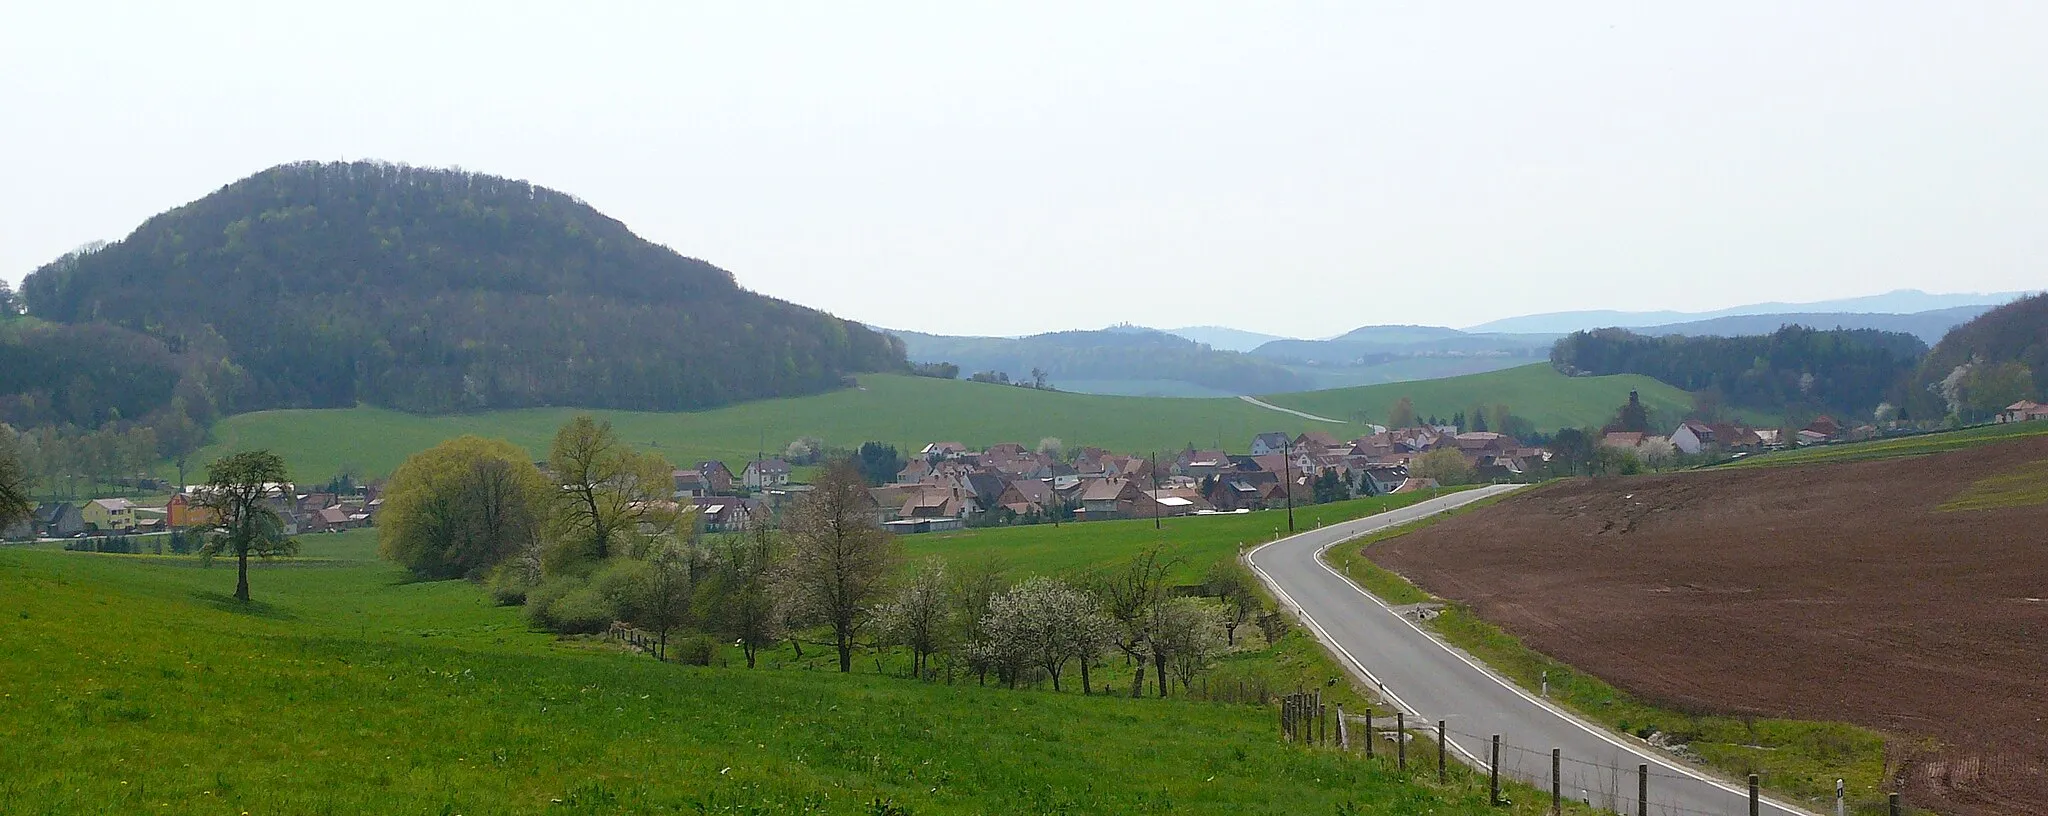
(1796,370)
(1984,365)
(438,291)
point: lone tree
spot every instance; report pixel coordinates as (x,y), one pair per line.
(459,508)
(1129,594)
(608,493)
(236,489)
(840,557)
(920,615)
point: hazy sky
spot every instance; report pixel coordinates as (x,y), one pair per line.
(1298,168)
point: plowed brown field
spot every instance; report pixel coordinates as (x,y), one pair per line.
(1829,592)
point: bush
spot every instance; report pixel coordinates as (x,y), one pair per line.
(540,599)
(582,612)
(695,650)
(622,585)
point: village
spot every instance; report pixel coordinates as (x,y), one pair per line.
(948,486)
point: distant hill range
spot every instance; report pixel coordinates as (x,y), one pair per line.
(1900,302)
(1225,338)
(329,285)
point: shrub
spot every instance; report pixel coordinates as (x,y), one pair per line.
(695,650)
(541,599)
(584,611)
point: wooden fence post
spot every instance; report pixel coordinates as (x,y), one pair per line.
(1370,734)
(1493,774)
(1556,781)
(1401,738)
(1440,752)
(1342,742)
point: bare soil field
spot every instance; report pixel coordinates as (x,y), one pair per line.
(1826,592)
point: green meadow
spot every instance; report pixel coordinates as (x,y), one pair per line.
(133,684)
(911,411)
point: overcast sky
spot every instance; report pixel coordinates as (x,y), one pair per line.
(1298,169)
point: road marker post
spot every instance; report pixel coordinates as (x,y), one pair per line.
(1370,734)
(1752,795)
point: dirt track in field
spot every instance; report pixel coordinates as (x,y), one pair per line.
(1832,592)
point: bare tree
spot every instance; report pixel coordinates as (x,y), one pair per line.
(840,557)
(671,585)
(1229,582)
(920,616)
(739,599)
(975,586)
(1129,594)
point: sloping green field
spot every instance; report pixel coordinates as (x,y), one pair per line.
(1534,392)
(911,411)
(131,684)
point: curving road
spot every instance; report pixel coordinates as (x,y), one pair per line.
(1271,407)
(1430,680)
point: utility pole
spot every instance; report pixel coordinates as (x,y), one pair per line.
(1155,490)
(1287,469)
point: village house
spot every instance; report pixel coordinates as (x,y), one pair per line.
(1107,498)
(1380,479)
(942,450)
(2023,411)
(727,514)
(184,511)
(689,484)
(106,515)
(1269,443)
(764,473)
(59,519)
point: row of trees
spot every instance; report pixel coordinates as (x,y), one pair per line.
(1479,417)
(596,541)
(1793,370)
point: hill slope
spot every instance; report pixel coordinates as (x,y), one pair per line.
(911,411)
(1537,393)
(440,290)
(2006,354)
(1122,353)
(1902,301)
(349,689)
(1928,326)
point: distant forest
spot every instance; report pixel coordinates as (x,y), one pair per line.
(433,291)
(1793,371)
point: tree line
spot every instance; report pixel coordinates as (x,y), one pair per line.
(1793,371)
(595,540)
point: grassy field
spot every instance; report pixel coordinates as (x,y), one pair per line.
(131,684)
(1895,448)
(1797,758)
(911,411)
(1534,392)
(1199,541)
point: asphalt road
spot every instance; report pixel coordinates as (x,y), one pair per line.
(1432,681)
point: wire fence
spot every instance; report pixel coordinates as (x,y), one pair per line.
(1435,753)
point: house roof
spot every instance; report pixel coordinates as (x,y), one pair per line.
(1103,489)
(1274,439)
(2023,405)
(116,505)
(770,465)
